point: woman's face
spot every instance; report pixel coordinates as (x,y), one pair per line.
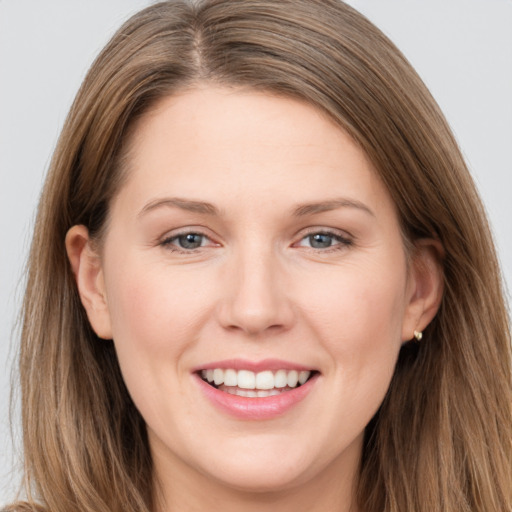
(253,244)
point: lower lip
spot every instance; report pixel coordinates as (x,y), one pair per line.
(258,408)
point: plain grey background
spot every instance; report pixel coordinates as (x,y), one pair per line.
(461,48)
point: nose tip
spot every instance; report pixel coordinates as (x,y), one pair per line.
(256,301)
(255,320)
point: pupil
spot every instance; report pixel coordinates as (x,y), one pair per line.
(320,241)
(190,241)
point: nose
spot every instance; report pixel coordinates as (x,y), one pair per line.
(255,299)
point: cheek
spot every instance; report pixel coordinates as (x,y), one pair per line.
(359,327)
(357,318)
(155,315)
(354,304)
(153,308)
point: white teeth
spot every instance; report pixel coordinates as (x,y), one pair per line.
(303,377)
(252,394)
(218,376)
(280,379)
(293,378)
(271,392)
(230,378)
(246,379)
(262,381)
(265,380)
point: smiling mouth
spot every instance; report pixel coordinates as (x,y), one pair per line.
(255,385)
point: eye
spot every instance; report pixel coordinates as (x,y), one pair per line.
(324,240)
(190,240)
(187,241)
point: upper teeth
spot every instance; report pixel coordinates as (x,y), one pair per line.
(246,379)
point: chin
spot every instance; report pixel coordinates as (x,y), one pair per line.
(261,478)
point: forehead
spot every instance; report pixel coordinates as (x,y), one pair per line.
(221,144)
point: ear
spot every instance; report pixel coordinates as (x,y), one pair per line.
(87,268)
(425,286)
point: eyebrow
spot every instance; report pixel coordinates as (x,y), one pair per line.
(205,208)
(184,204)
(333,204)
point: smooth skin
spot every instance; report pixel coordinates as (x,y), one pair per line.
(251,226)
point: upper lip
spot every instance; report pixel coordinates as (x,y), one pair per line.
(254,366)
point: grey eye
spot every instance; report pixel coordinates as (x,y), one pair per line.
(321,240)
(190,240)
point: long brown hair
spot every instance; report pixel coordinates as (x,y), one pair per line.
(441,440)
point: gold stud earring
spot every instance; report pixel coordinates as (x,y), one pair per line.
(418,335)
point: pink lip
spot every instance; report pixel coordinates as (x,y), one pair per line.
(264,408)
(254,366)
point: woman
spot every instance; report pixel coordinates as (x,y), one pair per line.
(261,276)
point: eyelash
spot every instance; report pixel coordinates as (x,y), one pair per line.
(168,244)
(342,241)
